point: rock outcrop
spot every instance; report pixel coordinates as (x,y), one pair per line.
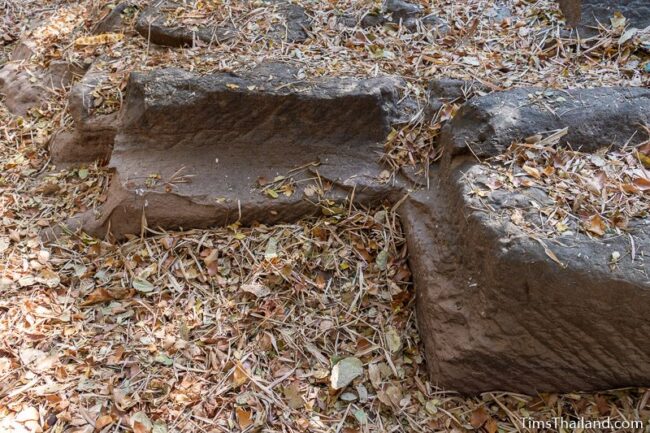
(25,87)
(113,19)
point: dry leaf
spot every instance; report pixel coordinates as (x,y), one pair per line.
(244,417)
(240,376)
(479,417)
(257,289)
(293,396)
(491,426)
(97,296)
(30,413)
(345,371)
(140,423)
(375,375)
(642,184)
(103,421)
(595,225)
(532,171)
(103,39)
(393,340)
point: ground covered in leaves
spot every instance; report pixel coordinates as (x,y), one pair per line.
(302,327)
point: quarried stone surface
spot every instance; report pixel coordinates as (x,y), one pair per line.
(154,25)
(588,15)
(196,151)
(596,118)
(25,87)
(92,135)
(496,312)
(498,308)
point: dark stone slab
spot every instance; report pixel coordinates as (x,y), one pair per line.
(400,12)
(496,312)
(220,133)
(154,25)
(92,136)
(588,15)
(596,118)
(112,21)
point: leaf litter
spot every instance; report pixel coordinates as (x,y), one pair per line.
(238,328)
(597,194)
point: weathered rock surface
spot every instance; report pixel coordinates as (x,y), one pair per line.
(596,118)
(92,136)
(588,15)
(450,91)
(400,12)
(154,25)
(495,309)
(497,313)
(295,25)
(24,87)
(113,19)
(191,150)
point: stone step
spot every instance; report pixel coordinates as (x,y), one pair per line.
(498,308)
(196,151)
(502,308)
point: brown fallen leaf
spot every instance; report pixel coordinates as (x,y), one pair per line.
(239,376)
(532,171)
(491,426)
(630,188)
(293,396)
(141,423)
(479,417)
(642,183)
(103,421)
(551,255)
(595,225)
(102,295)
(244,417)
